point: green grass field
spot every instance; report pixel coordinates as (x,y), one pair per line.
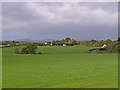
(59,67)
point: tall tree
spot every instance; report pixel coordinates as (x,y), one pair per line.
(67,39)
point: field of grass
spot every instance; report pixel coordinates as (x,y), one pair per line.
(59,67)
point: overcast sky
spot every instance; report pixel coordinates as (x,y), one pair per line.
(41,21)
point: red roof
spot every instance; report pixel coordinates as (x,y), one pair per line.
(68,42)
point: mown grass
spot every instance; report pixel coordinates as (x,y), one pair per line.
(59,67)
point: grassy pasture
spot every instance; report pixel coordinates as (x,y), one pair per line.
(59,67)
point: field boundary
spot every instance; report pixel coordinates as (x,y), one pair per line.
(60,89)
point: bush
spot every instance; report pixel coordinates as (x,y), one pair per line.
(39,52)
(113,48)
(98,51)
(31,51)
(31,48)
(95,50)
(17,51)
(24,51)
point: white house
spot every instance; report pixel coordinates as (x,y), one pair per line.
(0,46)
(104,46)
(45,43)
(64,45)
(49,43)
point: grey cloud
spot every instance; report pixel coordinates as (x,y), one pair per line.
(54,19)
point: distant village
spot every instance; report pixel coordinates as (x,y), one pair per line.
(108,45)
(64,42)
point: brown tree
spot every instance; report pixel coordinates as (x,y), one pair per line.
(39,52)
(17,51)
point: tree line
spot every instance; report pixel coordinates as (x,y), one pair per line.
(29,49)
(112,46)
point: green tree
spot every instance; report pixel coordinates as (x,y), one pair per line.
(31,51)
(53,42)
(108,41)
(13,41)
(75,42)
(119,39)
(113,47)
(67,39)
(101,43)
(61,42)
(24,51)
(31,48)
(79,42)
(57,42)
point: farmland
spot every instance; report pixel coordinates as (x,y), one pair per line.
(59,67)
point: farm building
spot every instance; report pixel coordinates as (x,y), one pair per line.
(48,43)
(64,44)
(0,46)
(68,44)
(104,46)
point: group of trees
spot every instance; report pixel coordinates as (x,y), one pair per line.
(10,44)
(29,49)
(112,46)
(61,42)
(93,43)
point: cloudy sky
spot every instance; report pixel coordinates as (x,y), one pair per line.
(41,21)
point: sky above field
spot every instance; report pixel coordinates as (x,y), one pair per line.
(52,21)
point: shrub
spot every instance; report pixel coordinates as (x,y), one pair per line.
(31,48)
(24,51)
(113,47)
(39,52)
(17,51)
(31,51)
(95,50)
(98,51)
(88,52)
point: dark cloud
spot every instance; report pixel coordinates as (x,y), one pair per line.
(56,20)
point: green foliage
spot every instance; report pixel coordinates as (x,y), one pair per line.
(53,42)
(119,39)
(17,51)
(30,49)
(67,39)
(101,43)
(75,42)
(57,42)
(31,46)
(112,47)
(24,51)
(40,44)
(39,52)
(93,43)
(108,41)
(96,50)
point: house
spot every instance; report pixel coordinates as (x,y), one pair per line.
(104,46)
(48,43)
(68,44)
(1,46)
(64,45)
